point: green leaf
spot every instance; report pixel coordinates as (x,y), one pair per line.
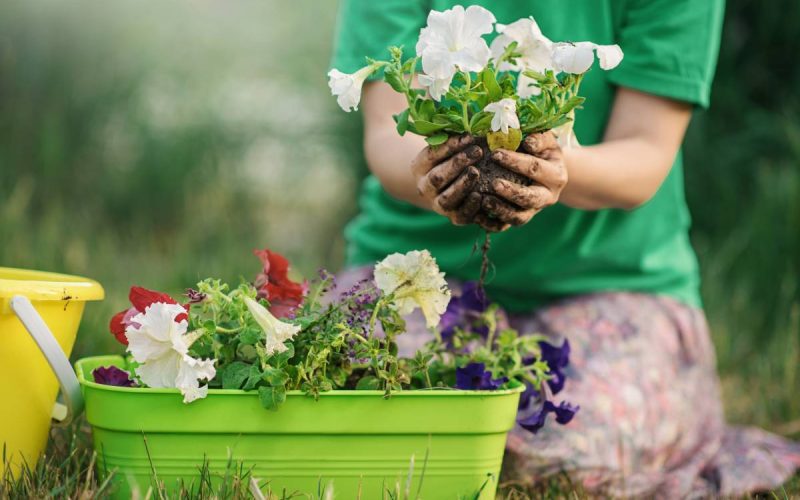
(272,397)
(395,80)
(275,376)
(427,108)
(489,80)
(250,336)
(437,139)
(479,123)
(253,378)
(401,119)
(234,375)
(410,65)
(368,383)
(572,103)
(423,127)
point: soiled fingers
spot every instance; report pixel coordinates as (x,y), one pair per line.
(468,210)
(506,212)
(548,173)
(490,224)
(452,197)
(544,145)
(443,174)
(535,197)
(431,156)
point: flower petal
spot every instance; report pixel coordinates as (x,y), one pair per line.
(415,280)
(437,87)
(160,372)
(277,332)
(152,334)
(574,58)
(141,298)
(478,21)
(111,375)
(609,55)
(117,327)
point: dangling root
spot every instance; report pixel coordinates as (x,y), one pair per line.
(485,263)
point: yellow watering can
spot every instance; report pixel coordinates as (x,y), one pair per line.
(39,317)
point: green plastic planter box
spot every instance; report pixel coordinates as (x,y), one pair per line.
(357,440)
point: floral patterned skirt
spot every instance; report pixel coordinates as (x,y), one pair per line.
(651,423)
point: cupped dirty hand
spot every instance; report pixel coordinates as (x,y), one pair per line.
(446,176)
(512,204)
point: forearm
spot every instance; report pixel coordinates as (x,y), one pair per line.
(617,174)
(643,136)
(389,157)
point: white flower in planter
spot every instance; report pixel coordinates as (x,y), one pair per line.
(505,114)
(347,87)
(160,345)
(277,331)
(536,50)
(415,280)
(577,58)
(452,40)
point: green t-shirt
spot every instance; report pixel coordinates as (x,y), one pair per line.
(670,50)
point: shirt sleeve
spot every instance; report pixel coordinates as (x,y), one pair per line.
(367,28)
(671,47)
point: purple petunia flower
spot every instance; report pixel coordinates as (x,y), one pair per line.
(557,359)
(474,376)
(530,393)
(111,375)
(564,413)
(464,310)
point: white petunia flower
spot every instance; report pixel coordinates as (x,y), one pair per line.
(415,280)
(437,87)
(452,40)
(277,332)
(534,47)
(505,114)
(577,58)
(347,87)
(160,345)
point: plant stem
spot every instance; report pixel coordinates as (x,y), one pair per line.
(229,330)
(492,320)
(464,106)
(374,316)
(505,55)
(428,379)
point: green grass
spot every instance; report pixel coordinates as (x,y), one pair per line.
(137,153)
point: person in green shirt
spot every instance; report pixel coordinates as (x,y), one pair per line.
(596,251)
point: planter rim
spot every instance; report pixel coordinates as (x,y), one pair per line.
(119,361)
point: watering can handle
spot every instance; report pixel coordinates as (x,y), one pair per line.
(70,388)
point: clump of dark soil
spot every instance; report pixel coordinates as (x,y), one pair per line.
(490,171)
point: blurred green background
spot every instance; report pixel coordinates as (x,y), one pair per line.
(155,146)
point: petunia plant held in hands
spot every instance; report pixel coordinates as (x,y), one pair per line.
(521,84)
(238,338)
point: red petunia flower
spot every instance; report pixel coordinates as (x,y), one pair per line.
(141,298)
(274,285)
